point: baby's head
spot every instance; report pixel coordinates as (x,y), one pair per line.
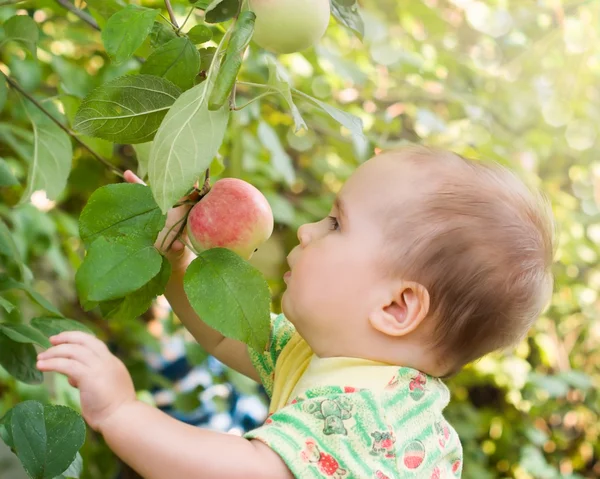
(427,260)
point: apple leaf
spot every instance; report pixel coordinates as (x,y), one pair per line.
(178,61)
(53,326)
(230,295)
(7,178)
(9,283)
(347,13)
(281,161)
(199,34)
(22,29)
(279,81)
(119,210)
(19,359)
(8,248)
(74,470)
(138,302)
(50,165)
(116,267)
(221,10)
(185,144)
(6,305)
(126,110)
(24,333)
(351,122)
(142,153)
(46,438)
(126,30)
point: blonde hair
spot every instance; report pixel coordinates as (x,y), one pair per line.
(482,243)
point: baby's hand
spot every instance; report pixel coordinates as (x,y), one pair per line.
(177,254)
(102,379)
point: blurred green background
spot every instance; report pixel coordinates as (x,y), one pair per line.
(517,81)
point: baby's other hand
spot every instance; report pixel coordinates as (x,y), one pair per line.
(103,380)
(178,255)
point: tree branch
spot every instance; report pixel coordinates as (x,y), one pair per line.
(79,13)
(67,130)
(171,13)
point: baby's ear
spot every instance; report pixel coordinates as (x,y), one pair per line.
(407,307)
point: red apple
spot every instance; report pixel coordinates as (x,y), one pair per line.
(233,215)
(287,26)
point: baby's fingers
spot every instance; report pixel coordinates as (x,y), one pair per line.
(71,368)
(131,177)
(71,351)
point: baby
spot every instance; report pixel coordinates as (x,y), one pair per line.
(426,262)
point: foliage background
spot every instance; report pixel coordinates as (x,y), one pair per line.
(514,81)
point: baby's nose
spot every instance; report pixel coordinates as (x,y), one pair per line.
(303,235)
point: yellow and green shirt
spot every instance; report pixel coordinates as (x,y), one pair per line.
(351,418)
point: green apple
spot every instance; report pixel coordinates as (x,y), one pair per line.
(287,26)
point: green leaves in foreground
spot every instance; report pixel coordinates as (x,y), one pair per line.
(45,438)
(126,110)
(120,210)
(178,61)
(230,295)
(126,30)
(185,144)
(122,271)
(115,267)
(50,165)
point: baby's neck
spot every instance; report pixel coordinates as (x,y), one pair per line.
(401,352)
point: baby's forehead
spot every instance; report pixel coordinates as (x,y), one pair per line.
(395,174)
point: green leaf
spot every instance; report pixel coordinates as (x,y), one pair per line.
(221,10)
(177,61)
(351,122)
(142,152)
(24,333)
(116,267)
(46,437)
(74,470)
(6,429)
(19,359)
(105,8)
(53,326)
(3,93)
(23,29)
(161,34)
(119,210)
(199,34)
(6,305)
(347,14)
(577,379)
(9,283)
(185,144)
(6,175)
(281,161)
(129,109)
(52,154)
(126,31)
(202,4)
(278,79)
(230,295)
(8,247)
(137,303)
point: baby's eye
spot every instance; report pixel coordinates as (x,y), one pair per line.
(334,225)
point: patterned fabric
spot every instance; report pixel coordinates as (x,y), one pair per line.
(348,418)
